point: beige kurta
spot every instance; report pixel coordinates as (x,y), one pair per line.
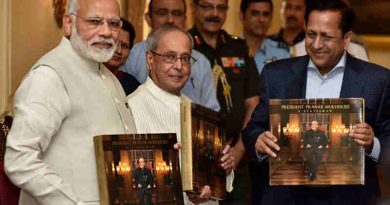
(61,104)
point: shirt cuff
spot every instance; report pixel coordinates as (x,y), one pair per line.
(260,157)
(376,150)
(229,181)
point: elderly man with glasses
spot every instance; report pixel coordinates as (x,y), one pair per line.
(66,99)
(199,88)
(156,104)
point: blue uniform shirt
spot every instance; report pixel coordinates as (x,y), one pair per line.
(270,51)
(199,87)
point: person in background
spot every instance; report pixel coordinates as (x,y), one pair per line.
(200,87)
(9,193)
(293,30)
(125,43)
(256,17)
(66,99)
(236,85)
(235,74)
(328,71)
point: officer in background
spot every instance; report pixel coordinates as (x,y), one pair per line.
(293,30)
(235,73)
(256,17)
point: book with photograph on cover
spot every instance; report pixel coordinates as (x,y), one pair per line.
(316,148)
(202,139)
(138,169)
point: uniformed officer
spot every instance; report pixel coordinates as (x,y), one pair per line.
(235,73)
(256,17)
(293,30)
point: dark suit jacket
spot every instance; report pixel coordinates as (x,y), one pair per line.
(286,79)
(144,179)
(309,139)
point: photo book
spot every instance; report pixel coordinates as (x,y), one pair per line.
(138,169)
(203,138)
(316,148)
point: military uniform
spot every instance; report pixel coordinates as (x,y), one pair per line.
(270,51)
(279,37)
(235,76)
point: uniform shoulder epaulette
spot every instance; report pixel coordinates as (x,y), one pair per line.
(236,38)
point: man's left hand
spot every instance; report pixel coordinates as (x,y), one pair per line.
(363,135)
(227,159)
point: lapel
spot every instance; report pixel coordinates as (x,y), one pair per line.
(353,80)
(296,85)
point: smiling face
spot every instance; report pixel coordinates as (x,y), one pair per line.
(170,77)
(210,15)
(257,18)
(94,42)
(324,41)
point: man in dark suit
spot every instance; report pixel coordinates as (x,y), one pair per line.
(328,71)
(314,142)
(144,182)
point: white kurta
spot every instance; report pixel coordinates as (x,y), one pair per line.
(157,111)
(61,104)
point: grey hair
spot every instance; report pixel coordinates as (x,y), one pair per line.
(72,6)
(155,35)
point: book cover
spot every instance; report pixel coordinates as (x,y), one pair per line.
(314,142)
(202,139)
(138,169)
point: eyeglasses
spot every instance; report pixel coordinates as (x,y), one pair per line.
(166,12)
(93,22)
(171,58)
(210,7)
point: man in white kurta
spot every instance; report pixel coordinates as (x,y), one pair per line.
(156,104)
(67,98)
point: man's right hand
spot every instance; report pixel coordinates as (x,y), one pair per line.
(139,186)
(202,197)
(266,143)
(308,146)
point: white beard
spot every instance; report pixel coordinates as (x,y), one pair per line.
(86,49)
